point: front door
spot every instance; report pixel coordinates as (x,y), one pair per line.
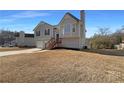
(57,37)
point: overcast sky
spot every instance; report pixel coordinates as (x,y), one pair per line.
(27,20)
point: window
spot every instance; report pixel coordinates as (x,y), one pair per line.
(37,33)
(62,28)
(67,28)
(47,31)
(73,28)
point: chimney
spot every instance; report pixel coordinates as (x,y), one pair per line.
(82,20)
(82,16)
(82,28)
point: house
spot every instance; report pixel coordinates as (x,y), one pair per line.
(120,46)
(9,44)
(68,33)
(24,39)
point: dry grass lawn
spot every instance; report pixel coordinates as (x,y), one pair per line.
(10,49)
(62,66)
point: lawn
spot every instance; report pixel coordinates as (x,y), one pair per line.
(2,49)
(62,66)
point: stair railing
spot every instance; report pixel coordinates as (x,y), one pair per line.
(52,43)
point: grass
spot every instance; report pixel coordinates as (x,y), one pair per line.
(62,66)
(2,49)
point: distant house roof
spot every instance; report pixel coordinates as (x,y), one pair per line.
(26,35)
(29,35)
(17,34)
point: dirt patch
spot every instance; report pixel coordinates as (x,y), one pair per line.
(62,66)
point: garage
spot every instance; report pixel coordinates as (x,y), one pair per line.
(40,44)
(70,43)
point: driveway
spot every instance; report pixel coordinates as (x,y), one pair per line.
(7,53)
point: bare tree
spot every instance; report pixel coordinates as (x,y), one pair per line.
(6,36)
(104,31)
(102,39)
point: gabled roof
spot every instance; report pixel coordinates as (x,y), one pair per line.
(42,22)
(72,16)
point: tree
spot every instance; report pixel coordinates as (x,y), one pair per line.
(105,39)
(119,35)
(102,39)
(103,31)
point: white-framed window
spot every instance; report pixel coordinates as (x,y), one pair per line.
(62,27)
(37,33)
(73,27)
(47,32)
(67,28)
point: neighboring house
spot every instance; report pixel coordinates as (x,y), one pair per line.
(25,40)
(120,46)
(69,33)
(9,43)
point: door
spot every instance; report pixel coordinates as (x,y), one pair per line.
(57,37)
(40,44)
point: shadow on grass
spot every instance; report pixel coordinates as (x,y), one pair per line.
(106,51)
(112,52)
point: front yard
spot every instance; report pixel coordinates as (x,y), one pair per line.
(62,66)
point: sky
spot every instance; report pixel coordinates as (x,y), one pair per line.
(26,20)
